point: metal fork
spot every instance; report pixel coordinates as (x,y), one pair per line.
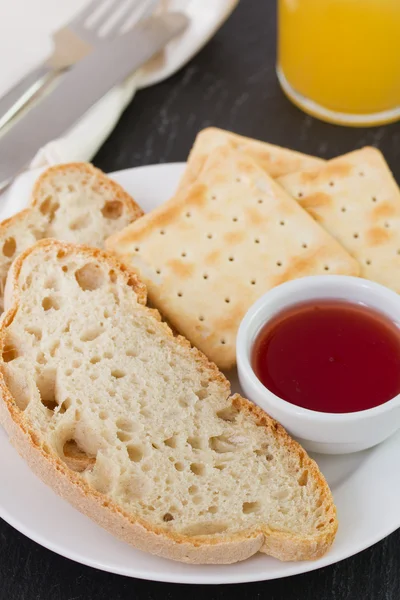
(96,23)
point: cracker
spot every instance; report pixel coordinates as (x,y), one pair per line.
(355,198)
(208,253)
(276,161)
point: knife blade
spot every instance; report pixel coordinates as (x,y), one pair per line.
(80,88)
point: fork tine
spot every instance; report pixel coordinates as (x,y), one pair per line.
(112,20)
(85,13)
(145,9)
(101,18)
(127,10)
(102,14)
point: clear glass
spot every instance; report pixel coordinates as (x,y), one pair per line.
(339,60)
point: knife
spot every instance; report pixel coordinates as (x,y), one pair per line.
(80,88)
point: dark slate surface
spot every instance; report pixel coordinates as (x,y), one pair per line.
(231,84)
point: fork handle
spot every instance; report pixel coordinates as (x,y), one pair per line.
(23,91)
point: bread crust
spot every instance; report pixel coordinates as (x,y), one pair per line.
(22,218)
(120,194)
(129,527)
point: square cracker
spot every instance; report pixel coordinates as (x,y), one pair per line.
(208,253)
(276,161)
(355,198)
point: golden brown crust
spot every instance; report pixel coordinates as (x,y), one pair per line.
(67,248)
(20,216)
(275,160)
(318,544)
(103,180)
(25,217)
(131,528)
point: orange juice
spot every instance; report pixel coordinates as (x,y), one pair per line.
(340,59)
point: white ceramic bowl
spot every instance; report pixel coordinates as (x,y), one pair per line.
(330,433)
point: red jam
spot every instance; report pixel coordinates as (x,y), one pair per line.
(330,356)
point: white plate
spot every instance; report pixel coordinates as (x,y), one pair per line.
(366,486)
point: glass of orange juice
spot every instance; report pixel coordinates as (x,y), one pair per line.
(339,60)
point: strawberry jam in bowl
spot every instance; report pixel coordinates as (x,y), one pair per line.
(321,355)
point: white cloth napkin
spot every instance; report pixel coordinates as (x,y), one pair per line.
(25,40)
(25,28)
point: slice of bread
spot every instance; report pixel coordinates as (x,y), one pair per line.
(210,252)
(72,202)
(275,160)
(137,429)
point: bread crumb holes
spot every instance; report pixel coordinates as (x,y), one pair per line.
(198,469)
(250,507)
(302,480)
(201,394)
(168,517)
(123,436)
(195,443)
(118,373)
(50,302)
(9,247)
(171,442)
(10,352)
(90,277)
(112,209)
(81,222)
(135,452)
